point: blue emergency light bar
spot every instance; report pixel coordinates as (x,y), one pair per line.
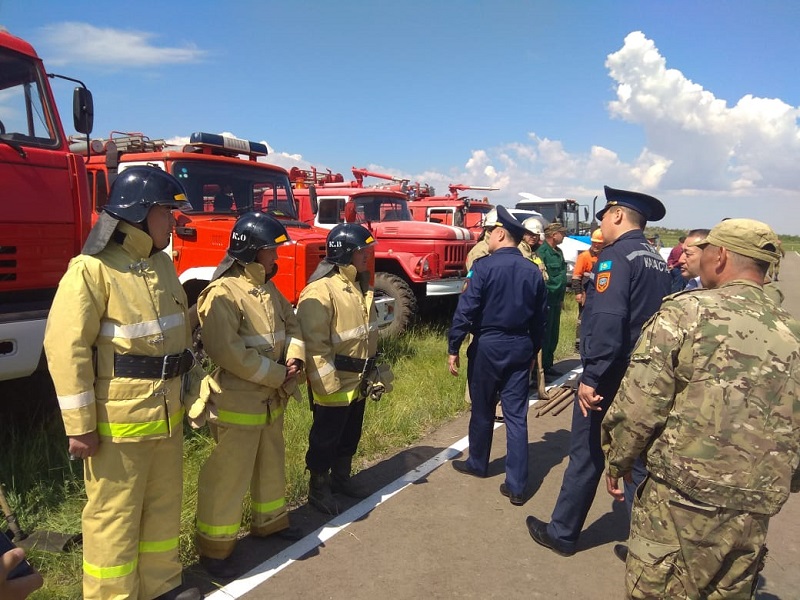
(229,143)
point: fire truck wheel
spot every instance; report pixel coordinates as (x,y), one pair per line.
(405,302)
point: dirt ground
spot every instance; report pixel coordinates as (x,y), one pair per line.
(441,534)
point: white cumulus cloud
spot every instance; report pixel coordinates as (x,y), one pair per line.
(708,144)
(73,42)
(707,159)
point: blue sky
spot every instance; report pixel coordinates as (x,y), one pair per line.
(694,102)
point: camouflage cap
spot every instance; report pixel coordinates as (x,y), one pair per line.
(744,236)
(554,227)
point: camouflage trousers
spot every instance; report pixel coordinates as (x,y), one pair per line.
(679,548)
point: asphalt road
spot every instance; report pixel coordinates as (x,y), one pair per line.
(431,532)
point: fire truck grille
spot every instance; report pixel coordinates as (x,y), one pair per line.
(455,255)
(8,263)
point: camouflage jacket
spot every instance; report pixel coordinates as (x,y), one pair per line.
(711,396)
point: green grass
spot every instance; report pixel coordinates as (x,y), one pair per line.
(46,489)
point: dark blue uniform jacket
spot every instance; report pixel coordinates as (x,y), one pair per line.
(630,280)
(506,296)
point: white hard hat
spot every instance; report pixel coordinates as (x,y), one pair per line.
(490,218)
(533,225)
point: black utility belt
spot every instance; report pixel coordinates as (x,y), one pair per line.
(153,367)
(353,365)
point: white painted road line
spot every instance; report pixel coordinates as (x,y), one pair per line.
(283,559)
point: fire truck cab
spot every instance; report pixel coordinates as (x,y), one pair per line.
(451,209)
(44,201)
(223,179)
(416,262)
(567,212)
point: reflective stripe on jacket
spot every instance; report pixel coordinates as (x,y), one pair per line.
(336,318)
(248,327)
(120,301)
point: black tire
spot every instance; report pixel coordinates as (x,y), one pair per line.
(405,302)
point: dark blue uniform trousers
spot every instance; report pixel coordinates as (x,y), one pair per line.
(499,363)
(584,471)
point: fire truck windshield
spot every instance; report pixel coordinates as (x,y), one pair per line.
(26,113)
(381,208)
(225,187)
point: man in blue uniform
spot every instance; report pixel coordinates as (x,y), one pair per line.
(630,280)
(504,307)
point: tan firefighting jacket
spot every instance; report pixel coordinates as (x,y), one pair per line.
(249,330)
(120,301)
(336,318)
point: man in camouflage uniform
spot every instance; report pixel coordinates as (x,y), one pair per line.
(711,398)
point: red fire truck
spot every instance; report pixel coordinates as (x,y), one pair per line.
(415,262)
(223,179)
(44,201)
(451,209)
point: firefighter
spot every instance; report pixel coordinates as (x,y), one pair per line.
(117,342)
(481,248)
(339,324)
(533,238)
(251,334)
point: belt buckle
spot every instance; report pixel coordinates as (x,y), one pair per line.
(368,364)
(167,367)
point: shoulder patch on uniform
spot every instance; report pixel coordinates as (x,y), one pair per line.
(604,266)
(469,274)
(602,281)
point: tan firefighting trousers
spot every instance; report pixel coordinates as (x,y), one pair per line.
(243,458)
(132,519)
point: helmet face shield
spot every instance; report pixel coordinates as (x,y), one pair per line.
(254,231)
(137,189)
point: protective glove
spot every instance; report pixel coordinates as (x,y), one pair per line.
(197,411)
(290,389)
(379,382)
(385,376)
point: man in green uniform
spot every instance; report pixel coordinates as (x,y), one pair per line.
(710,397)
(556,267)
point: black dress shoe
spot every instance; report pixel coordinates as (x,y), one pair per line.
(516,499)
(461,467)
(219,567)
(621,552)
(538,531)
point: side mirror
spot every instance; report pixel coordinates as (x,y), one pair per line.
(585,213)
(312,198)
(83,110)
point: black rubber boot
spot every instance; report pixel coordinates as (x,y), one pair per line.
(320,495)
(342,482)
(224,568)
(181,593)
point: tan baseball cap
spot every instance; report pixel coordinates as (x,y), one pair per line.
(744,236)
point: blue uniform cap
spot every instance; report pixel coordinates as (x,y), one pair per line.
(650,207)
(506,221)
